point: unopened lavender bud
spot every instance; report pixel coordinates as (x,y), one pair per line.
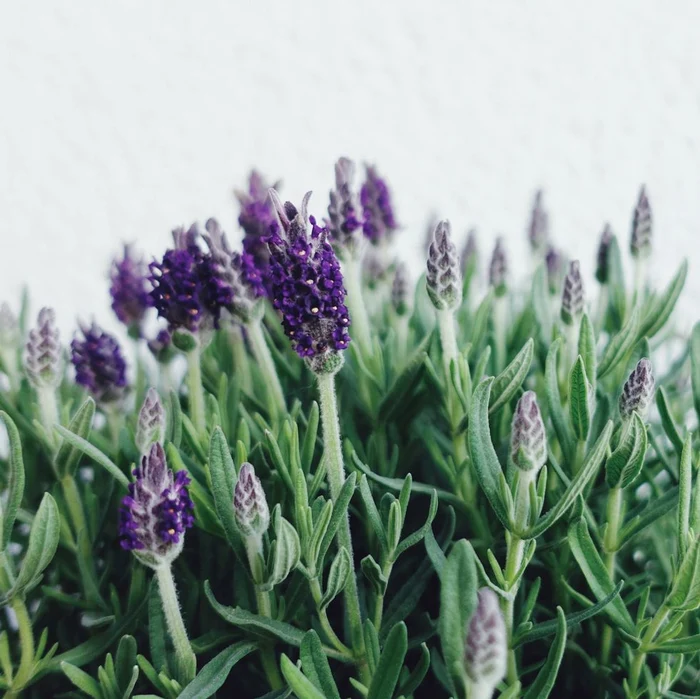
(638,391)
(573,297)
(498,268)
(249,503)
(150,427)
(538,228)
(640,240)
(443,279)
(555,269)
(469,251)
(603,255)
(486,651)
(400,298)
(344,212)
(528,439)
(42,359)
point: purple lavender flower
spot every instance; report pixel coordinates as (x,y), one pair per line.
(157,511)
(99,364)
(555,268)
(443,279)
(129,291)
(377,208)
(486,651)
(344,216)
(528,440)
(573,297)
(538,228)
(249,503)
(638,390)
(190,288)
(640,240)
(307,285)
(42,359)
(603,255)
(469,251)
(498,268)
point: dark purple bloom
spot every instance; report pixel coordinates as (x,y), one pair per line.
(640,240)
(538,228)
(377,208)
(157,511)
(307,283)
(190,288)
(344,215)
(603,255)
(99,364)
(42,360)
(129,290)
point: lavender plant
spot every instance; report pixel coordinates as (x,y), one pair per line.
(364,485)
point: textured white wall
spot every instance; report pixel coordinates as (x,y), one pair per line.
(121,120)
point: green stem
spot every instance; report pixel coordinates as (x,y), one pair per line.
(335,471)
(26,640)
(196,390)
(240,358)
(379,607)
(500,331)
(448,340)
(610,546)
(640,654)
(360,328)
(186,659)
(264,358)
(317,594)
(514,559)
(48,412)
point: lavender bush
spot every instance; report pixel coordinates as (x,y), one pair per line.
(365,486)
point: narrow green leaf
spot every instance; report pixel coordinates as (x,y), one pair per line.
(689,644)
(316,667)
(390,664)
(579,408)
(125,661)
(685,592)
(587,349)
(647,513)
(556,410)
(340,509)
(309,444)
(417,536)
(372,513)
(685,488)
(287,551)
(662,308)
(625,463)
(69,454)
(546,677)
(93,453)
(695,366)
(486,465)
(15,482)
(213,675)
(338,576)
(620,344)
(511,378)
(373,572)
(414,680)
(303,687)
(596,574)
(174,430)
(83,681)
(667,421)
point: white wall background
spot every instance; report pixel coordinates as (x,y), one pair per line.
(122,120)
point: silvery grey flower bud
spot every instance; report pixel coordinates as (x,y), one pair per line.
(400,297)
(640,240)
(573,297)
(528,439)
(498,268)
(603,256)
(150,427)
(538,228)
(638,391)
(249,503)
(42,358)
(469,251)
(443,279)
(486,652)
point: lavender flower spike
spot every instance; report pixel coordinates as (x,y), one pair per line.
(638,390)
(640,240)
(129,291)
(538,228)
(603,255)
(307,287)
(377,208)
(486,654)
(444,281)
(156,512)
(400,290)
(344,215)
(249,504)
(42,359)
(573,296)
(528,441)
(99,364)
(498,269)
(150,427)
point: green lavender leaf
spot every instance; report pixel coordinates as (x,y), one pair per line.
(316,667)
(685,592)
(695,366)
(390,663)
(287,550)
(15,482)
(556,410)
(625,463)
(373,572)
(685,487)
(663,306)
(621,344)
(83,681)
(69,453)
(579,408)
(546,677)
(303,687)
(507,383)
(213,675)
(667,421)
(338,576)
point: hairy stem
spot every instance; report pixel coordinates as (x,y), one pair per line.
(640,654)
(26,641)
(610,546)
(48,412)
(186,659)
(196,390)
(514,559)
(317,594)
(264,358)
